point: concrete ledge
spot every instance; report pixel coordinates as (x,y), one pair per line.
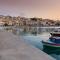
(14,48)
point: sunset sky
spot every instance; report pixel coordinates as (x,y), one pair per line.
(31,8)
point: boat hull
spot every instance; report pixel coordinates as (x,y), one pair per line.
(50,45)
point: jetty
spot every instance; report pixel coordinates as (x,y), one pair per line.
(13,47)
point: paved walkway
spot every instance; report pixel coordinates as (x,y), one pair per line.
(13,47)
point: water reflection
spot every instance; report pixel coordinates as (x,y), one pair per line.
(30,30)
(34,36)
(55,52)
(51,50)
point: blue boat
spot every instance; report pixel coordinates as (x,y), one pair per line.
(53,41)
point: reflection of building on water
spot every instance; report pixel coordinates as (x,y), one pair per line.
(30,30)
(37,30)
(16,31)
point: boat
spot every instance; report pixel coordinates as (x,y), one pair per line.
(53,41)
(55,34)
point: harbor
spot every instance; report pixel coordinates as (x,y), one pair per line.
(29,30)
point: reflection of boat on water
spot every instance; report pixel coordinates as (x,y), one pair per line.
(53,42)
(51,50)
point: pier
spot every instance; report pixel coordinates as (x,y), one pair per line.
(13,47)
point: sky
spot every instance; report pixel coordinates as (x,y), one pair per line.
(31,8)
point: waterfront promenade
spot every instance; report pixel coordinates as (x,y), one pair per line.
(13,47)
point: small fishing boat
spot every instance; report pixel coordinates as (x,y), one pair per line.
(53,41)
(55,34)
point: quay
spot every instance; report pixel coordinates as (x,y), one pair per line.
(13,47)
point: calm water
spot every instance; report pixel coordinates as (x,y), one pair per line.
(34,36)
